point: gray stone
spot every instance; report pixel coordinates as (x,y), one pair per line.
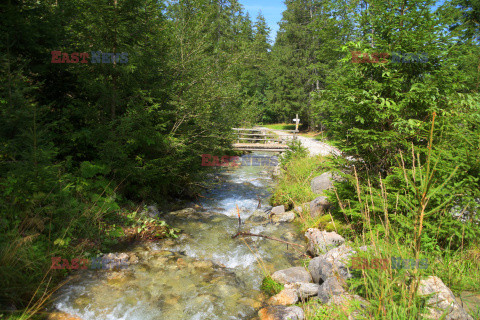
(322,182)
(192,214)
(319,242)
(277,171)
(340,255)
(319,206)
(292,275)
(278,210)
(331,287)
(322,269)
(307,290)
(283,217)
(281,313)
(441,301)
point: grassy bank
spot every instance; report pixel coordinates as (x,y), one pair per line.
(396,216)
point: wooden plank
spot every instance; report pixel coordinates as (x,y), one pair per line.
(243,129)
(256,139)
(257,149)
(257,134)
(260,145)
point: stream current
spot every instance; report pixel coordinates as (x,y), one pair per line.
(204,274)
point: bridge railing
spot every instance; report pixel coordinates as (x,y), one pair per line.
(254,135)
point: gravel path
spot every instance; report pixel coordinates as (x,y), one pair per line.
(315,147)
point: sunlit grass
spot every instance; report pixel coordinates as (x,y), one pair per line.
(280,126)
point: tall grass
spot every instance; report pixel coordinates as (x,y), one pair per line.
(391,293)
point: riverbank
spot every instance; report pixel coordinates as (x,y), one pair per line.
(324,204)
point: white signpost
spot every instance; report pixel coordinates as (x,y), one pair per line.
(297,121)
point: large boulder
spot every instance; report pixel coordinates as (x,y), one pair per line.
(281,313)
(333,263)
(319,206)
(320,270)
(323,182)
(330,287)
(292,275)
(321,241)
(441,301)
(340,255)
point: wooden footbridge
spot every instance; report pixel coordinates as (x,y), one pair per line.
(262,139)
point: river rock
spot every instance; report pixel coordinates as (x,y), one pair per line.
(321,241)
(341,255)
(258,216)
(184,213)
(62,316)
(115,261)
(322,269)
(277,171)
(278,210)
(285,297)
(249,302)
(133,259)
(283,217)
(443,299)
(331,287)
(281,313)
(323,182)
(319,206)
(306,290)
(292,275)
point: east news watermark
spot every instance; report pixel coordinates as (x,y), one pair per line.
(97,57)
(93,264)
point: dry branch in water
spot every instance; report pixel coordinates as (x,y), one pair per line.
(266,237)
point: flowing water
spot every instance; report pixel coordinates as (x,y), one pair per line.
(204,274)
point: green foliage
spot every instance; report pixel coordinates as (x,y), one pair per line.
(80,141)
(295,150)
(294,185)
(270,286)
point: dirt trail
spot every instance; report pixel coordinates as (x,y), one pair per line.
(315,147)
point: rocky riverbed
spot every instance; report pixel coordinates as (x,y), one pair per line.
(205,273)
